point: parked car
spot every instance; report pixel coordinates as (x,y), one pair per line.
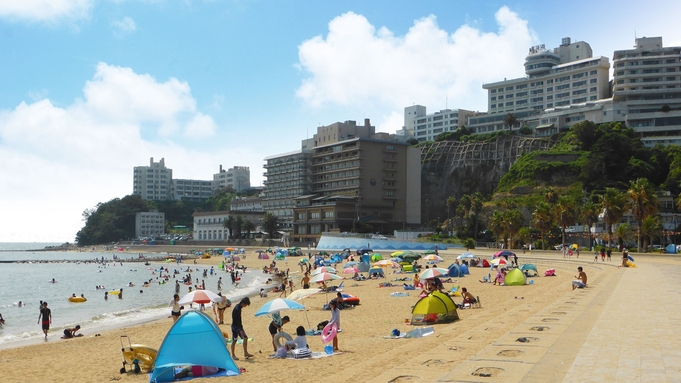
(378,236)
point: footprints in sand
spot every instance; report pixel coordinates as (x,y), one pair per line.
(539,328)
(488,372)
(405,378)
(510,353)
(550,320)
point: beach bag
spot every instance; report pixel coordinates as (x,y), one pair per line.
(321,325)
(300,353)
(281,352)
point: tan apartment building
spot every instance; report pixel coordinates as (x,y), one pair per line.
(371,180)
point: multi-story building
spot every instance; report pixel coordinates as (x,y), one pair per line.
(210,226)
(426,127)
(238,178)
(568,75)
(149,224)
(246,204)
(287,177)
(191,190)
(152,182)
(374,181)
(647,86)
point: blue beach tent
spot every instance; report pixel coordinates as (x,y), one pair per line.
(455,271)
(464,269)
(194,340)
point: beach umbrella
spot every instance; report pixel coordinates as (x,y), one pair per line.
(434,272)
(386,263)
(350,264)
(466,255)
(260,251)
(503,253)
(200,296)
(351,270)
(433,258)
(277,305)
(324,269)
(397,253)
(498,261)
(302,293)
(427,252)
(230,249)
(323,277)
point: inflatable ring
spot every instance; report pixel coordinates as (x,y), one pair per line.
(278,339)
(77,299)
(329,332)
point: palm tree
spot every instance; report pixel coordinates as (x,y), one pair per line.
(496,224)
(542,220)
(270,222)
(612,205)
(510,120)
(650,229)
(476,207)
(238,223)
(624,233)
(249,226)
(550,195)
(590,217)
(229,225)
(642,202)
(513,222)
(565,213)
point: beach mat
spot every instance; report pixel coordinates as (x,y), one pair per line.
(315,355)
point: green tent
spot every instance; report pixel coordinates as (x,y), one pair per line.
(515,277)
(376,257)
(434,308)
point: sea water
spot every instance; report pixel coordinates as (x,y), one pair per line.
(28,281)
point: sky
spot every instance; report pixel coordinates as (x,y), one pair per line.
(91,88)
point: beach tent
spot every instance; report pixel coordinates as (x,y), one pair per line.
(194,340)
(365,258)
(434,308)
(376,271)
(364,267)
(515,277)
(484,263)
(454,271)
(464,269)
(527,268)
(279,256)
(376,257)
(671,249)
(336,258)
(263,256)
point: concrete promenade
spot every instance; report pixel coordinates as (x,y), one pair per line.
(624,327)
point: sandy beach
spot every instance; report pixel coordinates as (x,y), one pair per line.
(365,354)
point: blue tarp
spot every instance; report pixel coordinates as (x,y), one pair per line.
(194,340)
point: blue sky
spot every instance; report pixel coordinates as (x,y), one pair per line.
(89,89)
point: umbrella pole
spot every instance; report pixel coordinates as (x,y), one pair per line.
(308,319)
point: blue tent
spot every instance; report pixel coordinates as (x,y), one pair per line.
(455,271)
(364,266)
(376,271)
(464,269)
(336,258)
(671,249)
(194,340)
(365,258)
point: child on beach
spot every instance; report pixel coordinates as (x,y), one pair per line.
(46,316)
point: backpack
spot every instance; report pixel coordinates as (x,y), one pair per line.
(300,353)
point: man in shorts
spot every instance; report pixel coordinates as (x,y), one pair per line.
(238,328)
(46,316)
(580,282)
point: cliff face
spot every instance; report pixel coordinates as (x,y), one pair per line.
(452,169)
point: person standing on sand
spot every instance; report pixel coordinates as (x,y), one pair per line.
(46,316)
(305,281)
(335,319)
(176,311)
(238,328)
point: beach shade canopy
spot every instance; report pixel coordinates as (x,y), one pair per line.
(386,263)
(466,255)
(365,258)
(529,267)
(455,271)
(364,266)
(323,269)
(464,269)
(485,263)
(398,253)
(199,296)
(278,304)
(427,252)
(260,251)
(236,258)
(323,277)
(263,256)
(194,340)
(515,277)
(376,257)
(436,307)
(410,256)
(434,272)
(433,258)
(302,293)
(498,261)
(670,249)
(378,271)
(351,270)
(503,253)
(336,258)
(350,264)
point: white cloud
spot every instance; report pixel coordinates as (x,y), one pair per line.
(124,26)
(57,162)
(358,65)
(52,11)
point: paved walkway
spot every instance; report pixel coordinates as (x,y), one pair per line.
(623,328)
